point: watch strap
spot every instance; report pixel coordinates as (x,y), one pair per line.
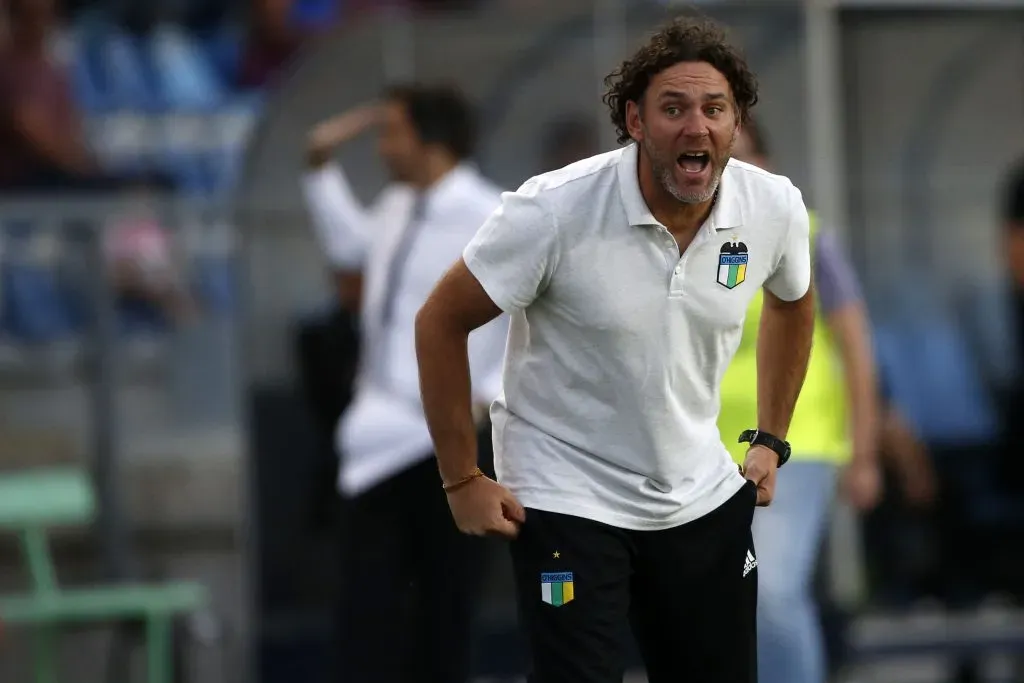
(756,437)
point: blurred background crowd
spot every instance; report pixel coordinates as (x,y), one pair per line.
(168,328)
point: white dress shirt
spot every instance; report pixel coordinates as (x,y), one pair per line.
(403,244)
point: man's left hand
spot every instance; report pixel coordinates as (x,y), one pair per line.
(760,467)
(862,483)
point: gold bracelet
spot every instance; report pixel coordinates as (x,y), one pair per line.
(477,472)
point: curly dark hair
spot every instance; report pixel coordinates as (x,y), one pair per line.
(688,39)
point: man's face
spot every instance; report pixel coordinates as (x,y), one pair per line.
(687,126)
(399,144)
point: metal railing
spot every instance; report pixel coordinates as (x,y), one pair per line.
(116,325)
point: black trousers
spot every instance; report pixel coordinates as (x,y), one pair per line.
(410,582)
(688,593)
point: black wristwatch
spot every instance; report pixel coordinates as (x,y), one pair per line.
(756,437)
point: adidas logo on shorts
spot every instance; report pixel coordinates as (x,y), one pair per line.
(749,563)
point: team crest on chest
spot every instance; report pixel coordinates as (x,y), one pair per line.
(732,263)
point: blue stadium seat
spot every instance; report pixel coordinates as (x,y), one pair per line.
(186,79)
(86,72)
(232,126)
(88,69)
(35,307)
(224,53)
(131,75)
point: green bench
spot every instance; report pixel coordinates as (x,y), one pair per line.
(31,503)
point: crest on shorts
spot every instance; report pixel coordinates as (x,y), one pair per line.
(732,263)
(556,589)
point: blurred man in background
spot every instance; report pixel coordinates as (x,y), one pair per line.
(144,258)
(566,140)
(40,130)
(834,426)
(1013,240)
(410,577)
(901,531)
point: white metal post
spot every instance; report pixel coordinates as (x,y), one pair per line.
(609,36)
(826,133)
(825,125)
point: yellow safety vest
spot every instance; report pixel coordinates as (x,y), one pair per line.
(819,430)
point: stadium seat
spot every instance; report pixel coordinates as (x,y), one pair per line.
(86,72)
(231,125)
(223,53)
(131,75)
(35,307)
(185,77)
(32,504)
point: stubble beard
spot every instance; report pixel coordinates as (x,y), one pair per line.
(663,170)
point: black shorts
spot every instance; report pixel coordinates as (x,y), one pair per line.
(688,593)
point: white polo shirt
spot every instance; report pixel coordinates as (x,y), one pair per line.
(617,343)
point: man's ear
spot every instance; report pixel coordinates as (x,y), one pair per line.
(634,120)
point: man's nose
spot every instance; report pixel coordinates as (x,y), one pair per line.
(695,124)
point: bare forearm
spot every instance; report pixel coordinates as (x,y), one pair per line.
(850,330)
(443,356)
(783,351)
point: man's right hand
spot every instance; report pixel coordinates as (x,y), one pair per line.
(327,135)
(483,507)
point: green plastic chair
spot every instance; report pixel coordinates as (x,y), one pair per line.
(31,502)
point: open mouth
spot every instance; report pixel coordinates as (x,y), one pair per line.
(694,162)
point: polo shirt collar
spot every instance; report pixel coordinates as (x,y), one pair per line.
(726,213)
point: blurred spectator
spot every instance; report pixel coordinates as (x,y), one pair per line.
(140,250)
(271,43)
(834,431)
(1013,223)
(1013,230)
(900,534)
(399,535)
(906,458)
(567,140)
(40,130)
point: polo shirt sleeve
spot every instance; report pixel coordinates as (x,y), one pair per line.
(835,281)
(514,252)
(792,276)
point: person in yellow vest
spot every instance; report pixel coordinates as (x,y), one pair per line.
(833,434)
